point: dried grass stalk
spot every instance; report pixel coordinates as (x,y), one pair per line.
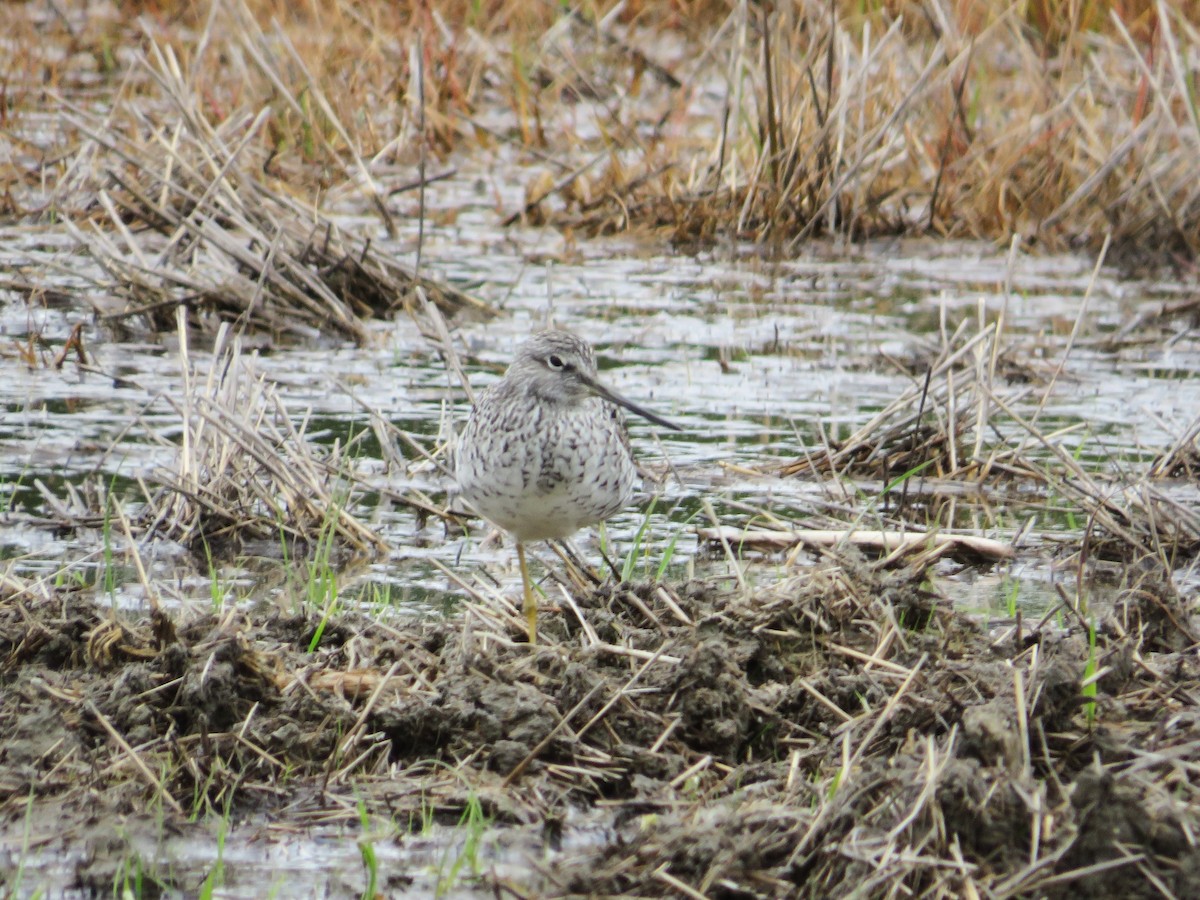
(245,470)
(842,733)
(955,119)
(1181,459)
(941,425)
(191,217)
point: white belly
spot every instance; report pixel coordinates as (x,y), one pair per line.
(547,478)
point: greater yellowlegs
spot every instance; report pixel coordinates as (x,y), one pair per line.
(545,451)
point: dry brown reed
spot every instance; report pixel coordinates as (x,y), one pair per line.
(186,215)
(938,425)
(359,92)
(950,119)
(1181,459)
(246,470)
(1061,123)
(969,420)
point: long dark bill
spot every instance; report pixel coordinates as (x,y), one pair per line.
(613,397)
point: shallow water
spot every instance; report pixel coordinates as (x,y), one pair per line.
(759,359)
(756,360)
(258,860)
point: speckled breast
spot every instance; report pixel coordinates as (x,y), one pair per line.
(545,474)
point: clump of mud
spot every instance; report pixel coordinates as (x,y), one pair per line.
(844,732)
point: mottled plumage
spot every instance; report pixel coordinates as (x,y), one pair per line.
(545,451)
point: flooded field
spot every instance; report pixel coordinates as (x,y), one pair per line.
(761,362)
(908,606)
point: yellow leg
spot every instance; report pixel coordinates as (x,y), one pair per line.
(530,607)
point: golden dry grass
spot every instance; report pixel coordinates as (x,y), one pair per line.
(957,120)
(1058,122)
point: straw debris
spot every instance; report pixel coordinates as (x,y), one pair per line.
(966,420)
(955,120)
(188,215)
(956,418)
(246,471)
(843,731)
(1181,459)
(1062,125)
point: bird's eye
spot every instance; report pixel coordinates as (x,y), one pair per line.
(556,361)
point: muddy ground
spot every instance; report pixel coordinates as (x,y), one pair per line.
(845,732)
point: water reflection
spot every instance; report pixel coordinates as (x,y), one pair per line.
(761,362)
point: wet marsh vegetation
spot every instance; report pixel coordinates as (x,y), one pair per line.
(909,609)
